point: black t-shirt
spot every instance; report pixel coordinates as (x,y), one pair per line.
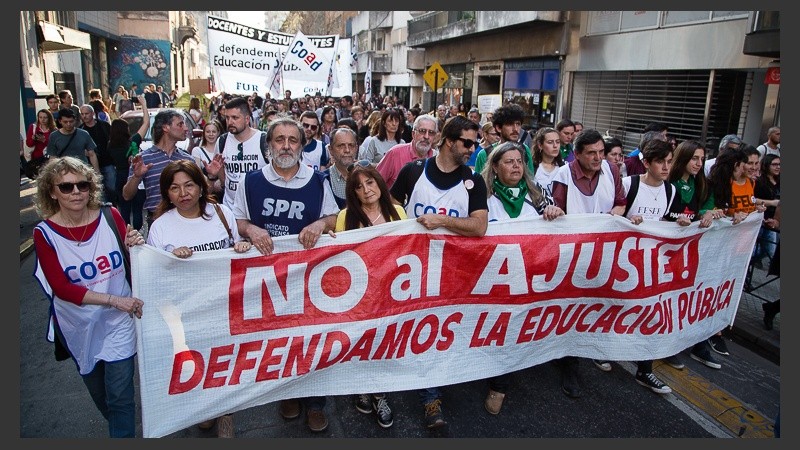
(411,172)
(119,154)
(100,133)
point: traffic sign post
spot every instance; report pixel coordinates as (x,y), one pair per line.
(435,76)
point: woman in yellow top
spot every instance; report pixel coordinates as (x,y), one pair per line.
(368,203)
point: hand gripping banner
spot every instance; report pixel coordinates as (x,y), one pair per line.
(396,307)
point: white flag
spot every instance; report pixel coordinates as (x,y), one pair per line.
(305,62)
(368,79)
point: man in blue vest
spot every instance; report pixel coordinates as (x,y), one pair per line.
(287,197)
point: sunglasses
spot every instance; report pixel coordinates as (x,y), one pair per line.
(68,188)
(359,163)
(240,147)
(468,143)
(310,126)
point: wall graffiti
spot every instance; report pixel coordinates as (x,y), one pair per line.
(141,61)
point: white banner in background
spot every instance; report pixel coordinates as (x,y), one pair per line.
(244,59)
(395,307)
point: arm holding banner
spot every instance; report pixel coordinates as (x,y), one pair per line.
(474,225)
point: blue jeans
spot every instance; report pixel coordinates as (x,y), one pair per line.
(766,244)
(111,386)
(428,395)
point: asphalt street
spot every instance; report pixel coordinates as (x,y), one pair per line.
(741,400)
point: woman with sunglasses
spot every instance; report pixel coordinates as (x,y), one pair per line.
(368,203)
(511,194)
(82,267)
(189,220)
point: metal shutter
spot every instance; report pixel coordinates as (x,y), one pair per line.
(623,103)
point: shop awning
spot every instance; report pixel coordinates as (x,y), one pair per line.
(56,38)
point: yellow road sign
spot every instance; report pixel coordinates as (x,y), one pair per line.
(435,76)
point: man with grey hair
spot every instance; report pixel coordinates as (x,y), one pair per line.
(728,142)
(421,146)
(282,198)
(344,151)
(169,128)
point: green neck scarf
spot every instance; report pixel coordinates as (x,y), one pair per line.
(512,197)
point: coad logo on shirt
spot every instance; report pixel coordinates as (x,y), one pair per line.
(90,270)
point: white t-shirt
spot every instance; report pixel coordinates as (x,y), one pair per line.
(651,202)
(236,167)
(172,230)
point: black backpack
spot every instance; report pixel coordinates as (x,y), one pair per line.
(635,189)
(224,137)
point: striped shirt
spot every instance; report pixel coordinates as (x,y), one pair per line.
(159,159)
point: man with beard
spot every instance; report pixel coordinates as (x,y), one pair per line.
(238,151)
(343,149)
(311,211)
(507,121)
(169,128)
(445,183)
(421,146)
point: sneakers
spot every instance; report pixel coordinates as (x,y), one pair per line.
(603,365)
(433,414)
(674,362)
(364,403)
(704,356)
(225,426)
(717,343)
(494,401)
(316,420)
(649,380)
(290,408)
(383,411)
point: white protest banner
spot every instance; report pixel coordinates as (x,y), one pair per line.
(396,307)
(244,59)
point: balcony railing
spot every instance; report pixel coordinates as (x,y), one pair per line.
(438,19)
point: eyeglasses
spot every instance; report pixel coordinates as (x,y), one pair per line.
(68,188)
(468,143)
(240,147)
(311,127)
(359,163)
(423,131)
(775,164)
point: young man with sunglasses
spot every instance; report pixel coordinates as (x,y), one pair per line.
(443,192)
(237,152)
(314,154)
